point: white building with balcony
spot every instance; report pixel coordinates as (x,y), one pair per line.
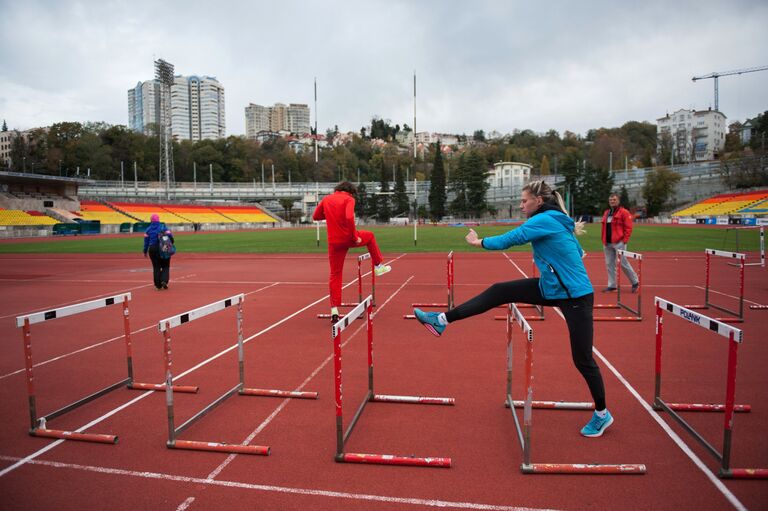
(694,135)
(510,176)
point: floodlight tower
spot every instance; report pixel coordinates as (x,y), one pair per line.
(717,75)
(164,77)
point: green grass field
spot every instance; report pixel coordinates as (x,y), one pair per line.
(645,238)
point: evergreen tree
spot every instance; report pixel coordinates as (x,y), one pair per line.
(401,205)
(5,126)
(624,197)
(437,194)
(383,212)
(361,203)
(593,188)
(458,185)
(477,184)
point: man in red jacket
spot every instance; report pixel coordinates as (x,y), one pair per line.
(616,230)
(338,211)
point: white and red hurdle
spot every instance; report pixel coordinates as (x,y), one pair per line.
(637,313)
(525,432)
(38,425)
(449,303)
(735,338)
(741,260)
(366,307)
(164,326)
(360,259)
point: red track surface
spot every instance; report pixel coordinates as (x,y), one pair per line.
(467,363)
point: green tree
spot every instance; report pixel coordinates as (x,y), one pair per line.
(544,171)
(5,126)
(383,211)
(624,198)
(361,203)
(401,205)
(479,136)
(593,188)
(477,184)
(457,184)
(658,189)
(287,204)
(437,194)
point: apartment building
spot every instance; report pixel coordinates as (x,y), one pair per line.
(292,118)
(509,175)
(694,135)
(197,108)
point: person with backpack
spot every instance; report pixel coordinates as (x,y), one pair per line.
(159,244)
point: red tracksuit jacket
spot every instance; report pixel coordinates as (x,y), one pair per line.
(338,211)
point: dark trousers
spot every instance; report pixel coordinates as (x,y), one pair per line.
(577,313)
(161,268)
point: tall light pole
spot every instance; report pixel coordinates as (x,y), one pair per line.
(414,115)
(315,119)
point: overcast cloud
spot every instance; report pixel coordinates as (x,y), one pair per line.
(491,65)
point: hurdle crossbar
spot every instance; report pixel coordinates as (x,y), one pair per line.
(366,307)
(165,326)
(450,299)
(38,424)
(360,259)
(525,432)
(735,338)
(739,314)
(539,316)
(637,313)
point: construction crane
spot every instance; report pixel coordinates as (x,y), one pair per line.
(717,75)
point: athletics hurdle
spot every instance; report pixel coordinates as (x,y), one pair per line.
(524,433)
(450,283)
(762,244)
(164,326)
(366,306)
(38,424)
(707,304)
(360,259)
(638,312)
(734,336)
(539,308)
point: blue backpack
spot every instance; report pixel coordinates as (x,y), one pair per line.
(166,247)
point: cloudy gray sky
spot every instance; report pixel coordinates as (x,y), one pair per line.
(492,65)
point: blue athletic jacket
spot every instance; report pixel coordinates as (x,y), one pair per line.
(556,252)
(152,234)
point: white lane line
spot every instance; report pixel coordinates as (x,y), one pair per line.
(65,355)
(664,426)
(726,295)
(309,378)
(312,492)
(185,505)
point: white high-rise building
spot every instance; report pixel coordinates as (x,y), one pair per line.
(293,118)
(695,135)
(197,108)
(144,106)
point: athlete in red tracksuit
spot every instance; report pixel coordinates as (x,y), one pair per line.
(338,211)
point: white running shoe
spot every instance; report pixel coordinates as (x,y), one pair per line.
(382,269)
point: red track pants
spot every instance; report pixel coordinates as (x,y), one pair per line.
(336,254)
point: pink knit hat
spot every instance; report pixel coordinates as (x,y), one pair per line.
(155,217)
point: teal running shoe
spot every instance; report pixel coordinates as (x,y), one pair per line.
(430,321)
(597,425)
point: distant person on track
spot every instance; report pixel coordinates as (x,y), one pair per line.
(616,230)
(563,283)
(161,266)
(338,211)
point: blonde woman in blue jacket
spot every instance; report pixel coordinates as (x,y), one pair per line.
(563,283)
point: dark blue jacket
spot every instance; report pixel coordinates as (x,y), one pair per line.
(556,252)
(153,233)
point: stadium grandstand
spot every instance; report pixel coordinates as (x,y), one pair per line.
(40,205)
(746,203)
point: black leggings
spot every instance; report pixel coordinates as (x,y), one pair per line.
(161,268)
(577,313)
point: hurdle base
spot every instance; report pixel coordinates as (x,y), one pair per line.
(418,400)
(704,407)
(328,316)
(758,307)
(278,393)
(617,318)
(729,320)
(193,445)
(556,405)
(390,459)
(72,435)
(191,389)
(744,473)
(444,305)
(606,306)
(582,468)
